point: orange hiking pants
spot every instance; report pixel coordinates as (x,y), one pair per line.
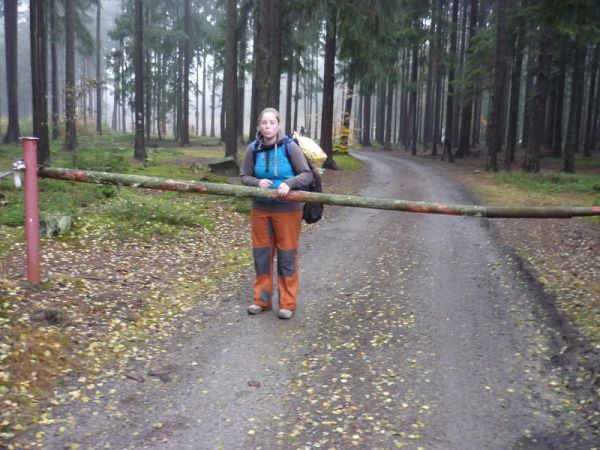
(276,232)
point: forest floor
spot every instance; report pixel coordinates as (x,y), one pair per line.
(106,306)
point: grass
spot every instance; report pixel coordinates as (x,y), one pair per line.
(347,162)
(546,188)
(138,216)
(241,205)
(110,152)
(206,141)
(581,163)
(551,188)
(54,196)
(551,183)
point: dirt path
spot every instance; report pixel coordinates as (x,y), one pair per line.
(414,331)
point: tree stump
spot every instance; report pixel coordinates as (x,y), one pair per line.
(225,167)
(53,224)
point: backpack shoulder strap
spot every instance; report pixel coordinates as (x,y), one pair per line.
(254,145)
(287,141)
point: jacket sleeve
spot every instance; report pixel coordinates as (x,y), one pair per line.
(304,174)
(247,170)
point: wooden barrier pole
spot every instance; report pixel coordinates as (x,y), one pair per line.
(540,212)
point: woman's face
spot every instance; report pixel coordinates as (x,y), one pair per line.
(269,126)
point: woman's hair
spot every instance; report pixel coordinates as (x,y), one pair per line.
(269,110)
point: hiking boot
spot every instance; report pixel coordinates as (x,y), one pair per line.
(256,309)
(285,313)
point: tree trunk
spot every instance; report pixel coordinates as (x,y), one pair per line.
(39,87)
(154,87)
(464,141)
(241,82)
(296,98)
(115,112)
(288,93)
(550,111)
(366,135)
(12,77)
(253,122)
(450,96)
(148,64)
(437,111)
(344,140)
(140,143)
(574,123)
(197,115)
(499,92)
(413,100)
(222,112)
(429,101)
(123,66)
(588,145)
(230,81)
(70,94)
(515,90)
(204,94)
(477,106)
(437,108)
(184,134)
(480,84)
(380,119)
(178,95)
(315,89)
(159,98)
(267,58)
(82,94)
(557,131)
(90,92)
(328,88)
(99,81)
(54,69)
(387,140)
(532,163)
(529,97)
(596,120)
(459,90)
(213,106)
(116,100)
(307,104)
(420,107)
(406,96)
(359,116)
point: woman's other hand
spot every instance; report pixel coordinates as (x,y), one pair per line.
(265,183)
(283,189)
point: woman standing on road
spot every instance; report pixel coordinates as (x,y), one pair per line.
(274,161)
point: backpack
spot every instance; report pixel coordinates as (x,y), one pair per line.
(313,212)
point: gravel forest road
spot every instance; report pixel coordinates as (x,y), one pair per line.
(413,331)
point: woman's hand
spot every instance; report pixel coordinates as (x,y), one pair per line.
(283,189)
(265,183)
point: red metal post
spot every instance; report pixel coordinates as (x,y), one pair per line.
(32,215)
